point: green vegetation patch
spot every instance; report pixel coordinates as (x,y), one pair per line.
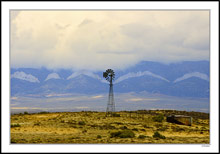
(99,136)
(26,112)
(81,123)
(135,129)
(158,135)
(158,118)
(43,112)
(123,134)
(123,127)
(116,115)
(142,136)
(177,129)
(15,125)
(37,124)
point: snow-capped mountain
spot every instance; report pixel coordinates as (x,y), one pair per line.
(24,76)
(193,74)
(138,74)
(86,73)
(185,79)
(52,76)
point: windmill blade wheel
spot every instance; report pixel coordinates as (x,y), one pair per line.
(109,74)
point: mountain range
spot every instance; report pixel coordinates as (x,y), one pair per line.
(183,79)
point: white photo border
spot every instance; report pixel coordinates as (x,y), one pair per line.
(214,76)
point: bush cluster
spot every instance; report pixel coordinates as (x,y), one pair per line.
(158,135)
(99,136)
(135,129)
(177,129)
(142,136)
(123,134)
(81,123)
(115,115)
(15,125)
(123,127)
(84,131)
(43,112)
(107,126)
(37,124)
(158,118)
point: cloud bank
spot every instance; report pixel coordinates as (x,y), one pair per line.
(98,40)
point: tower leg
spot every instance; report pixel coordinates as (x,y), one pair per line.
(111,104)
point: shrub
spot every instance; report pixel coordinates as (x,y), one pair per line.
(15,125)
(115,134)
(37,124)
(43,112)
(203,128)
(142,136)
(146,126)
(107,126)
(81,123)
(143,130)
(123,127)
(177,129)
(84,131)
(62,121)
(13,141)
(158,118)
(99,136)
(26,112)
(127,134)
(123,134)
(94,125)
(115,115)
(160,127)
(158,135)
(118,123)
(135,129)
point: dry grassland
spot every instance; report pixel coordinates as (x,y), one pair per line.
(94,127)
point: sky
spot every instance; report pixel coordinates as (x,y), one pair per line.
(98,40)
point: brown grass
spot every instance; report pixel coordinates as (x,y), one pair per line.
(95,127)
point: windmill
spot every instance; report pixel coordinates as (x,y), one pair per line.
(110,75)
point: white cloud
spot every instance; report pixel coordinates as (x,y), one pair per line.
(24,76)
(98,40)
(52,76)
(193,74)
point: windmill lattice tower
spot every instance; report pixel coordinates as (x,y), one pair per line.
(110,75)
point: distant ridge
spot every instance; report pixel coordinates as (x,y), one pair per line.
(185,79)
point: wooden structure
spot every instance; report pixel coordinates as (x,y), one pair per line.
(180,119)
